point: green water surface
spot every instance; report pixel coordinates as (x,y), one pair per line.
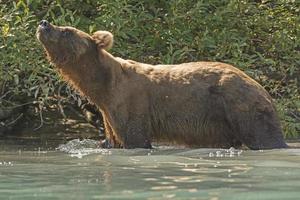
(161,173)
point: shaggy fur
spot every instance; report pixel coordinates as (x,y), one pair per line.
(197,104)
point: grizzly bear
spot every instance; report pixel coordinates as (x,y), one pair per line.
(196,104)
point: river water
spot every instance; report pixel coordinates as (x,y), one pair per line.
(80,170)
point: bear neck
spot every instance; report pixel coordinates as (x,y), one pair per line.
(95,76)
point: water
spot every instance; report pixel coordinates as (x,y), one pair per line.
(81,171)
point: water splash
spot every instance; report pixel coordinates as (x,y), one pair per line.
(231,152)
(6,163)
(79,148)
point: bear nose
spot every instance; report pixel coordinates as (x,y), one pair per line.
(44,23)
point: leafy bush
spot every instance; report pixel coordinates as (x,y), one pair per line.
(259,37)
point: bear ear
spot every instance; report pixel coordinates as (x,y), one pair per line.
(103,39)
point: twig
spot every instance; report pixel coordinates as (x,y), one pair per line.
(4,95)
(41,120)
(14,121)
(295,115)
(24,104)
(2,84)
(61,109)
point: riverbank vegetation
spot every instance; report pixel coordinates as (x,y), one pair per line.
(260,37)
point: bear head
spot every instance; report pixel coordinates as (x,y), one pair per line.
(64,44)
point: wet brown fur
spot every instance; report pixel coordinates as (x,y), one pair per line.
(198,104)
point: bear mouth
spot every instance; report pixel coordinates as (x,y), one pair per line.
(43,28)
(43,31)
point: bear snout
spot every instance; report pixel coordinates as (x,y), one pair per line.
(43,31)
(44,24)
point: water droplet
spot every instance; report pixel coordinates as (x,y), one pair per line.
(218,153)
(231,149)
(240,152)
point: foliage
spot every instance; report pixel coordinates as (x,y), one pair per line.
(259,37)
